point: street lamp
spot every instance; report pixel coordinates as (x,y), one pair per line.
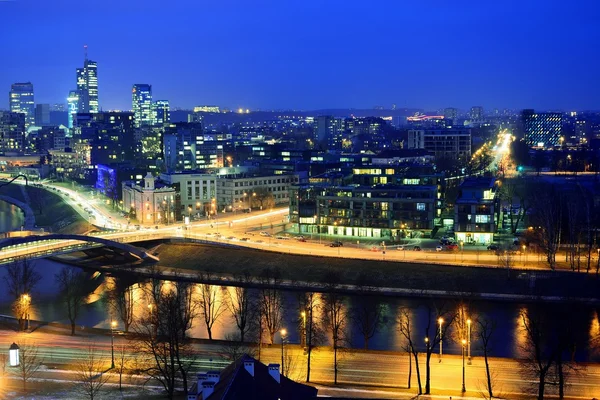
(440,321)
(469,340)
(13,355)
(113,325)
(525,251)
(463,365)
(303,313)
(462,251)
(283,332)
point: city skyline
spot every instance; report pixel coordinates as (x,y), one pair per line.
(313,56)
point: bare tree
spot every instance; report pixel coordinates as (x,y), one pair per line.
(310,303)
(270,302)
(405,328)
(122,301)
(90,375)
(335,316)
(547,207)
(123,364)
(210,302)
(367,311)
(29,362)
(242,307)
(435,332)
(485,332)
(263,198)
(506,258)
(234,348)
(71,287)
(21,278)
(162,339)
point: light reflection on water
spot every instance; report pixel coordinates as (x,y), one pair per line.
(508,336)
(11,217)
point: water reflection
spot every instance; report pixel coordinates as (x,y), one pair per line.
(11,217)
(507,341)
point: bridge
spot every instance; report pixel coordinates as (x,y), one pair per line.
(40,246)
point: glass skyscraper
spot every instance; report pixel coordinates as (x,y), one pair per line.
(73,104)
(87,87)
(21,101)
(141,103)
(542,129)
(161,112)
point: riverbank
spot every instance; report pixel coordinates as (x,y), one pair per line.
(383,277)
(47,209)
(29,220)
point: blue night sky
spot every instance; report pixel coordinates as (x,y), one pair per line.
(309,54)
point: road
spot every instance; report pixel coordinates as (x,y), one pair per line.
(381,370)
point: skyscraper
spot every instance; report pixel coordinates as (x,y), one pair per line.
(73,106)
(12,132)
(21,101)
(141,103)
(161,112)
(451,115)
(87,86)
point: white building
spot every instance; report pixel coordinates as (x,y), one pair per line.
(244,191)
(150,202)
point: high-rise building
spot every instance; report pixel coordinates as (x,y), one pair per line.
(476,113)
(326,131)
(542,129)
(141,103)
(21,101)
(73,106)
(12,132)
(161,112)
(110,135)
(42,114)
(87,87)
(187,146)
(451,115)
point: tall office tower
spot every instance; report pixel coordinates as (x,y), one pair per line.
(73,106)
(161,112)
(21,101)
(141,103)
(326,131)
(110,135)
(476,113)
(542,129)
(12,132)
(42,114)
(451,115)
(87,86)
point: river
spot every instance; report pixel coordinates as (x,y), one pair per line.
(11,217)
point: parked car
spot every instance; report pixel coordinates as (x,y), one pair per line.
(439,248)
(265,234)
(336,244)
(281,237)
(401,248)
(244,239)
(492,247)
(417,248)
(452,246)
(301,239)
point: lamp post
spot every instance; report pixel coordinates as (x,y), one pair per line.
(462,251)
(469,340)
(282,332)
(113,324)
(440,321)
(464,342)
(13,355)
(525,251)
(303,313)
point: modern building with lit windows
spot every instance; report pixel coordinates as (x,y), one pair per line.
(161,112)
(21,101)
(381,202)
(12,132)
(87,87)
(443,143)
(141,104)
(475,211)
(542,129)
(73,107)
(187,147)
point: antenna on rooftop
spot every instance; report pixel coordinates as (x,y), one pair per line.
(85,51)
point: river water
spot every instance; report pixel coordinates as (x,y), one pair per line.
(507,339)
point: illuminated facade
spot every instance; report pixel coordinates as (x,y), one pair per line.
(443,143)
(110,135)
(475,211)
(186,147)
(73,107)
(542,129)
(141,103)
(207,109)
(235,192)
(12,132)
(150,201)
(161,112)
(21,101)
(87,87)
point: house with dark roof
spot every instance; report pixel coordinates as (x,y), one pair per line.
(249,379)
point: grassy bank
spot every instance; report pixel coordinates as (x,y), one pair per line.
(232,261)
(50,212)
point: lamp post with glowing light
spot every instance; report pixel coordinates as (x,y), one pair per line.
(113,324)
(26,300)
(282,332)
(441,322)
(464,342)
